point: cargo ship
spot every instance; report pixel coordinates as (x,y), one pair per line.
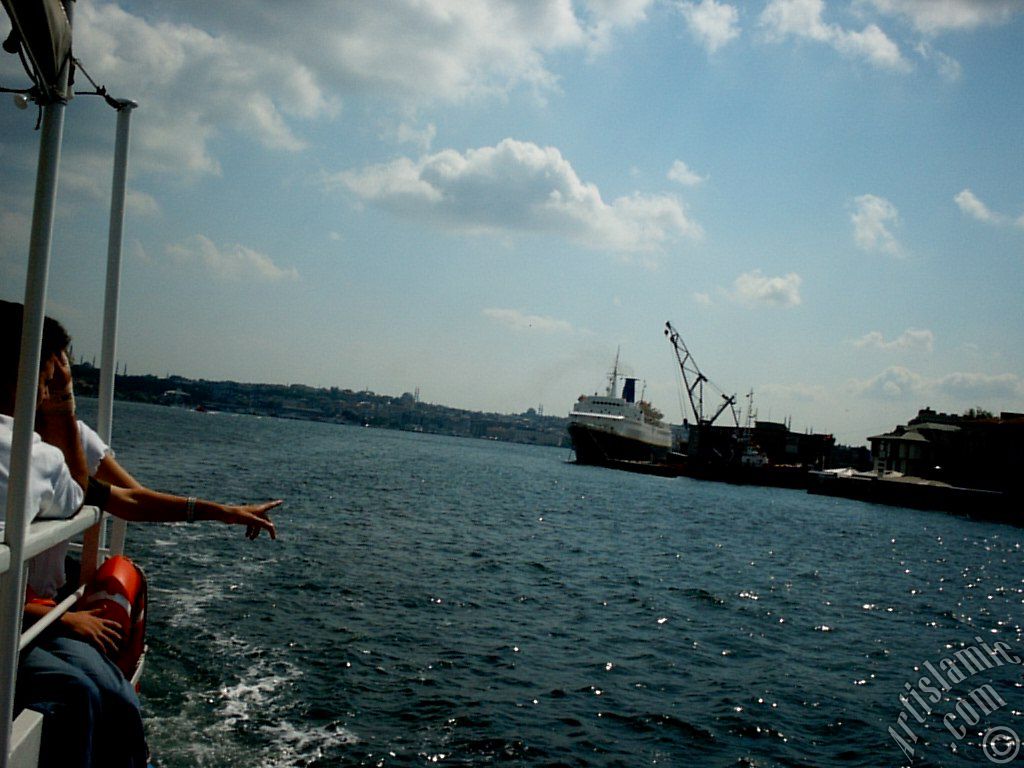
(616,428)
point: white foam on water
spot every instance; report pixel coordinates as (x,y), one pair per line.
(257,690)
(173,737)
(261,695)
(183,605)
(297,745)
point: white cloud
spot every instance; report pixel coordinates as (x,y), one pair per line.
(422,138)
(624,13)
(704,299)
(396,184)
(265,73)
(232,262)
(894,382)
(192,84)
(948,67)
(874,45)
(803,19)
(137,251)
(971,205)
(605,16)
(872,218)
(912,338)
(968,202)
(521,321)
(681,174)
(800,18)
(756,288)
(445,50)
(964,389)
(88,175)
(981,386)
(517,187)
(14,227)
(141,203)
(935,16)
(799,391)
(714,24)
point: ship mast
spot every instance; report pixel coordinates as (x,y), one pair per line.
(614,375)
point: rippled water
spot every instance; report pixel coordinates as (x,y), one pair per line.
(465,602)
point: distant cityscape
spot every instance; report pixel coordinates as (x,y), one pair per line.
(340,406)
(977,449)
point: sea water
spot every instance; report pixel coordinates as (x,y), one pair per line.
(434,600)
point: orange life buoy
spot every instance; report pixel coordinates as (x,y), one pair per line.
(119,591)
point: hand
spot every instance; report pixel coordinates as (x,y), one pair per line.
(63,380)
(255,518)
(91,627)
(56,385)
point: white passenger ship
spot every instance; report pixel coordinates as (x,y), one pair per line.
(45,31)
(610,428)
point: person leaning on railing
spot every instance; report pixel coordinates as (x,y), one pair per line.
(112,488)
(91,714)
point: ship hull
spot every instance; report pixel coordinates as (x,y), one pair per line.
(605,448)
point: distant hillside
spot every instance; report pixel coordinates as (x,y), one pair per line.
(342,406)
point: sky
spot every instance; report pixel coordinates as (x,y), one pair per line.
(488,200)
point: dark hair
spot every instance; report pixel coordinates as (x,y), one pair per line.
(55,340)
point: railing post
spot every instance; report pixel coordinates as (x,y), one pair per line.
(12,583)
(111,302)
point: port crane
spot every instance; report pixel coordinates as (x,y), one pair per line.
(694,381)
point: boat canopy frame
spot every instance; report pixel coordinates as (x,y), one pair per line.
(21,539)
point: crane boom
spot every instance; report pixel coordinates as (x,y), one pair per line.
(694,381)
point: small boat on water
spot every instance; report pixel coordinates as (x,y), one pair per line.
(612,428)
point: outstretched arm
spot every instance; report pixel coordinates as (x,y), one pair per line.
(110,471)
(144,505)
(131,500)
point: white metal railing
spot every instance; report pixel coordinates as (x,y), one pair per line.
(42,536)
(45,534)
(51,617)
(26,730)
(112,295)
(17,514)
(26,738)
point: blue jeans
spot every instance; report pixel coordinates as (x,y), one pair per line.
(91,716)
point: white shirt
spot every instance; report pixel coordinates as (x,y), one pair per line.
(46,570)
(95,449)
(52,491)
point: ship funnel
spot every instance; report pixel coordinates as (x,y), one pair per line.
(629,390)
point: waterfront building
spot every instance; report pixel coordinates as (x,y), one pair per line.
(976,450)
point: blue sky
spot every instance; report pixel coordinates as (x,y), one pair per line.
(486,199)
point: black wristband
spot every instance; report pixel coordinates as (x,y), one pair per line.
(97,493)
